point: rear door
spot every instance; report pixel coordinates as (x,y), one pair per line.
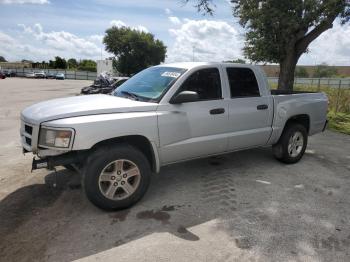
(195,129)
(250,109)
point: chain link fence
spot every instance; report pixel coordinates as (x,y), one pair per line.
(337,90)
(317,82)
(69,74)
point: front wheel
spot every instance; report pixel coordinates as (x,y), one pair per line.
(292,144)
(116,177)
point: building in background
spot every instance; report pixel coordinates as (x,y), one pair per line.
(15,65)
(104,66)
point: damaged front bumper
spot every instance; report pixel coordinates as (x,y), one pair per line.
(50,162)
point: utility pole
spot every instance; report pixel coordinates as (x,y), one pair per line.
(193,53)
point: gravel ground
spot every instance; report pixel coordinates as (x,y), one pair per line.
(243,206)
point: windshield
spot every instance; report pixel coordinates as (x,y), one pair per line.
(150,84)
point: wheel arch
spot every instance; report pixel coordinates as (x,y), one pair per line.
(142,143)
(302,119)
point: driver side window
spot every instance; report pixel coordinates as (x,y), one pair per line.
(206,82)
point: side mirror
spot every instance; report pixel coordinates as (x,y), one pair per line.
(184,97)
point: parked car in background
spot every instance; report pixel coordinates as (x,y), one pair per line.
(10,73)
(2,75)
(50,75)
(30,75)
(40,74)
(60,76)
(167,114)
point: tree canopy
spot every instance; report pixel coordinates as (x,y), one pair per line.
(301,72)
(72,63)
(2,59)
(87,65)
(324,70)
(280,31)
(134,50)
(60,63)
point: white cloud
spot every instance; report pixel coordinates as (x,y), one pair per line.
(168,11)
(117,23)
(209,40)
(40,2)
(175,20)
(96,38)
(140,28)
(332,47)
(33,43)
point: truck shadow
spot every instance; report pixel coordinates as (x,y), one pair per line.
(39,222)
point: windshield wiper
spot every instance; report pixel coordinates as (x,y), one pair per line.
(132,95)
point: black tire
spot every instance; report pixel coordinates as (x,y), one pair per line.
(100,159)
(280,149)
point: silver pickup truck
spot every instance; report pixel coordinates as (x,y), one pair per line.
(163,115)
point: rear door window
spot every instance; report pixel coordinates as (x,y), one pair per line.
(242,82)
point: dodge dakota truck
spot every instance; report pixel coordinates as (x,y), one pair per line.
(167,114)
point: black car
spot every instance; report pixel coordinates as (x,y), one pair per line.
(10,73)
(50,76)
(103,86)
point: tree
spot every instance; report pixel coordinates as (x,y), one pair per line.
(60,63)
(280,31)
(134,50)
(72,63)
(301,72)
(2,59)
(87,65)
(324,70)
(236,61)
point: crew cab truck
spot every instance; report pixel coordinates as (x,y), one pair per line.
(163,115)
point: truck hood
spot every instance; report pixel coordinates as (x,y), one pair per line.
(81,106)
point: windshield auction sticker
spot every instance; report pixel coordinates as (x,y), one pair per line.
(171,74)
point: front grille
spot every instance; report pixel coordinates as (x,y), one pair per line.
(28,141)
(27,133)
(28,129)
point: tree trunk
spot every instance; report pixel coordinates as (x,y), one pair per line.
(287,69)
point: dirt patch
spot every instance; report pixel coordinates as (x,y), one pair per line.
(119,216)
(156,215)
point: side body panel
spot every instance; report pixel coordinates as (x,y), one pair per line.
(313,105)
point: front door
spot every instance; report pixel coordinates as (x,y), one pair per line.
(195,129)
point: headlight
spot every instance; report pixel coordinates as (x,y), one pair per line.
(55,137)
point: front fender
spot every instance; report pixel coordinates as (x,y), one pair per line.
(92,129)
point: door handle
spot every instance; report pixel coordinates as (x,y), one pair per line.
(217,111)
(262,107)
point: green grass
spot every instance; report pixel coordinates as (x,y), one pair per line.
(339,122)
(339,105)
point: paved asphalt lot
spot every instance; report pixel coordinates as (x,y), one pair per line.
(244,206)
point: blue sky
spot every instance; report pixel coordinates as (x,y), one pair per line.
(41,29)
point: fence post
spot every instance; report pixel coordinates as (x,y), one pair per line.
(87,75)
(319,85)
(75,74)
(338,94)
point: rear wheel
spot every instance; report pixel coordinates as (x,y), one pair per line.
(116,178)
(292,144)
